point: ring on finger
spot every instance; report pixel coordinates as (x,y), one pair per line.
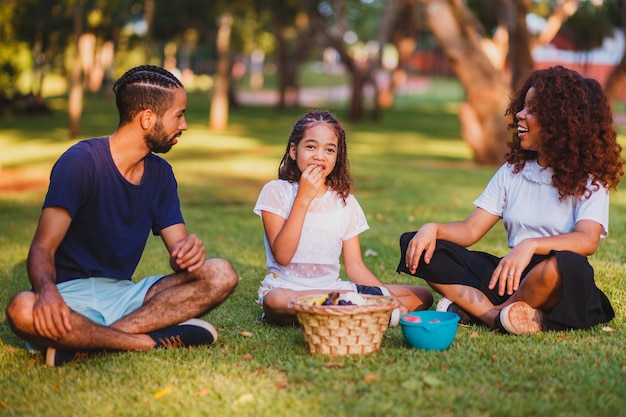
(510,274)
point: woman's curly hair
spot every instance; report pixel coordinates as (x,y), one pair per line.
(578,138)
(339,179)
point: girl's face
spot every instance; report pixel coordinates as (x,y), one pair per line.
(528,129)
(318,147)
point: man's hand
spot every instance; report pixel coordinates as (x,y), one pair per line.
(51,316)
(188,253)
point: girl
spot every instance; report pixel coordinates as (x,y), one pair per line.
(552,195)
(310,218)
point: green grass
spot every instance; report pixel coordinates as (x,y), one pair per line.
(409,168)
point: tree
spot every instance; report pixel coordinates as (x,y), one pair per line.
(615,81)
(404,38)
(294,41)
(479,62)
(331,22)
(218,119)
(75,100)
(9,47)
(486,86)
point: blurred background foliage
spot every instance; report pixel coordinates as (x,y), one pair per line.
(52,48)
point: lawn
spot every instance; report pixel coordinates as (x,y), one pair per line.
(409,168)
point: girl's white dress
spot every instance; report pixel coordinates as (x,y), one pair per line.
(328,222)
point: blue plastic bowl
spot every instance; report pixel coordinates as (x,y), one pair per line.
(432,330)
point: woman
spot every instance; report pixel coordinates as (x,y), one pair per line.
(552,195)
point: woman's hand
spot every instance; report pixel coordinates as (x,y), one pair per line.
(508,273)
(423,242)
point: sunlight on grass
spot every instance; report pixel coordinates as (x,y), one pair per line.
(195,172)
(202,138)
(18,152)
(407,144)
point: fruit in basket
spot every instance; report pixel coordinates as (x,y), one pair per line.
(332,299)
(353,298)
(318,301)
(336,298)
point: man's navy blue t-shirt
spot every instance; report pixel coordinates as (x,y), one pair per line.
(111,217)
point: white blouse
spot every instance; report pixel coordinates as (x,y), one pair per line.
(529,204)
(327,224)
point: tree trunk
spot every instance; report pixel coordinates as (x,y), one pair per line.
(287,69)
(362,71)
(404,34)
(75,101)
(481,115)
(356,109)
(148,7)
(294,36)
(219,103)
(512,13)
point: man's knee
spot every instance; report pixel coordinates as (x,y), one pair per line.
(219,272)
(19,312)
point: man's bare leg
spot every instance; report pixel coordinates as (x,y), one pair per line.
(206,289)
(179,297)
(85,333)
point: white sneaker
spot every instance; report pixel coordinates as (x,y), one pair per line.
(443,304)
(395,317)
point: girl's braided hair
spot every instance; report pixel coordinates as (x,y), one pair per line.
(144,87)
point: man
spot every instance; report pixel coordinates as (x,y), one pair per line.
(105,196)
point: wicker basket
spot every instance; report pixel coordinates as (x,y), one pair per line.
(341,330)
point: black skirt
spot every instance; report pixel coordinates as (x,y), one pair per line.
(583,305)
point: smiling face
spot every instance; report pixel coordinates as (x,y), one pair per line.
(317,147)
(167,129)
(528,129)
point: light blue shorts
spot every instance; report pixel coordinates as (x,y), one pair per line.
(103,300)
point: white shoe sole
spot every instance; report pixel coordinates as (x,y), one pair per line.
(520,318)
(201,323)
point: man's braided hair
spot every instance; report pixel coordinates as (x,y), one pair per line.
(144,87)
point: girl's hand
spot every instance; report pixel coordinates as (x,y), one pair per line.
(508,273)
(311,181)
(423,242)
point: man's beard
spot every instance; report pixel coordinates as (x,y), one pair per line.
(157,140)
